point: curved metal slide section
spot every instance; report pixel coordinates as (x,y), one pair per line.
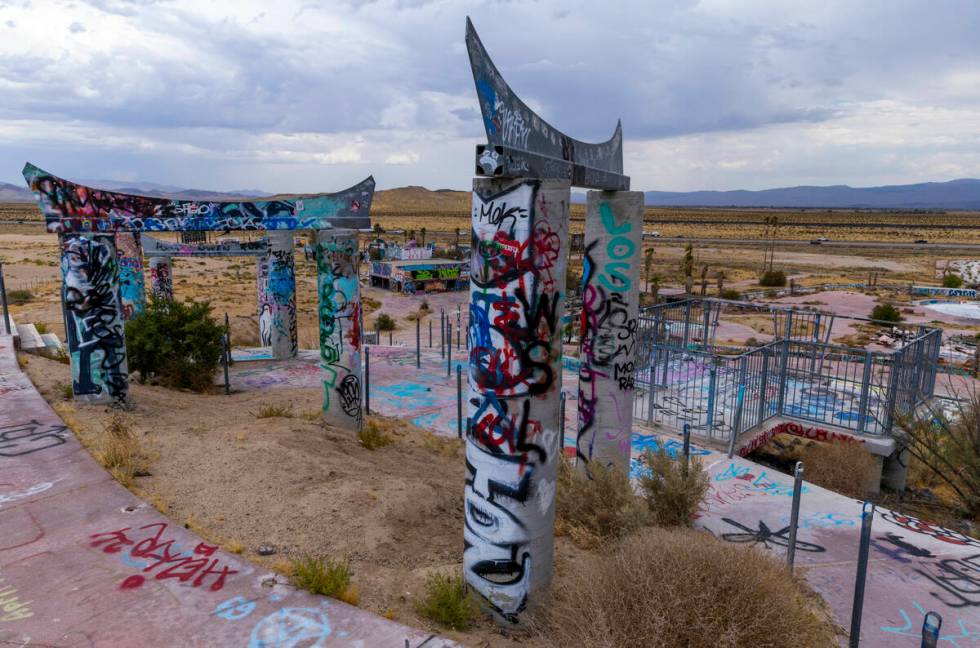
(522,144)
(71,207)
(83,562)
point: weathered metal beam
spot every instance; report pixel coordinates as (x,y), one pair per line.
(522,145)
(70,207)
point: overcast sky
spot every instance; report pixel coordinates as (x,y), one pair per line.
(313,96)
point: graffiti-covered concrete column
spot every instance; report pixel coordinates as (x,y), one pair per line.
(282,290)
(131,284)
(94,327)
(340,326)
(610,306)
(517,294)
(161,278)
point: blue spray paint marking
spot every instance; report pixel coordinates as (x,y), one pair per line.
(759,483)
(290,628)
(674,449)
(235,609)
(489,95)
(967,633)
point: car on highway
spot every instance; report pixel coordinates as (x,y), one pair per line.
(817,241)
(921,241)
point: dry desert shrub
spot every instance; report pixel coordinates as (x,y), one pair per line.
(681,588)
(373,437)
(592,510)
(274,411)
(845,468)
(326,577)
(673,495)
(447,602)
(119,451)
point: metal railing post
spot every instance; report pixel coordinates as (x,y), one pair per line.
(794,516)
(442,334)
(764,385)
(449,350)
(3,300)
(226,342)
(367,380)
(896,358)
(430,334)
(816,340)
(687,447)
(867,516)
(784,365)
(931,625)
(712,384)
(687,323)
(418,344)
(865,388)
(706,324)
(459,402)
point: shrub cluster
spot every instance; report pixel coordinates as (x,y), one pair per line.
(447,602)
(673,493)
(676,588)
(385,322)
(175,344)
(592,510)
(773,278)
(886,313)
(952,281)
(845,468)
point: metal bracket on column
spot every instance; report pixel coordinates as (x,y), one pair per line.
(522,145)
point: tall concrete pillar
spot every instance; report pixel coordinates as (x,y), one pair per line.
(339,297)
(161,278)
(610,307)
(94,328)
(132,292)
(517,295)
(282,289)
(265,300)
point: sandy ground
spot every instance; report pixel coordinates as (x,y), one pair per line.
(396,512)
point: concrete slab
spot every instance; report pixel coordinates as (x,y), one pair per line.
(915,566)
(30,339)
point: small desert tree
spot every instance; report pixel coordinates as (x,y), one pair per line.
(175,343)
(655,287)
(647,265)
(886,313)
(952,281)
(948,445)
(687,262)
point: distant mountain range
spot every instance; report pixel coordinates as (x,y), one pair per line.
(953,195)
(15,193)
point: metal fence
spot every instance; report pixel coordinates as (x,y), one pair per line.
(685,376)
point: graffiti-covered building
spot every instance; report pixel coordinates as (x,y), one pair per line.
(425,275)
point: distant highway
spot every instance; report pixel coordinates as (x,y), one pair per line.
(758,242)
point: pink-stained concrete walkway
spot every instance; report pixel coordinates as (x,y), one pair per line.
(914,566)
(84,563)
